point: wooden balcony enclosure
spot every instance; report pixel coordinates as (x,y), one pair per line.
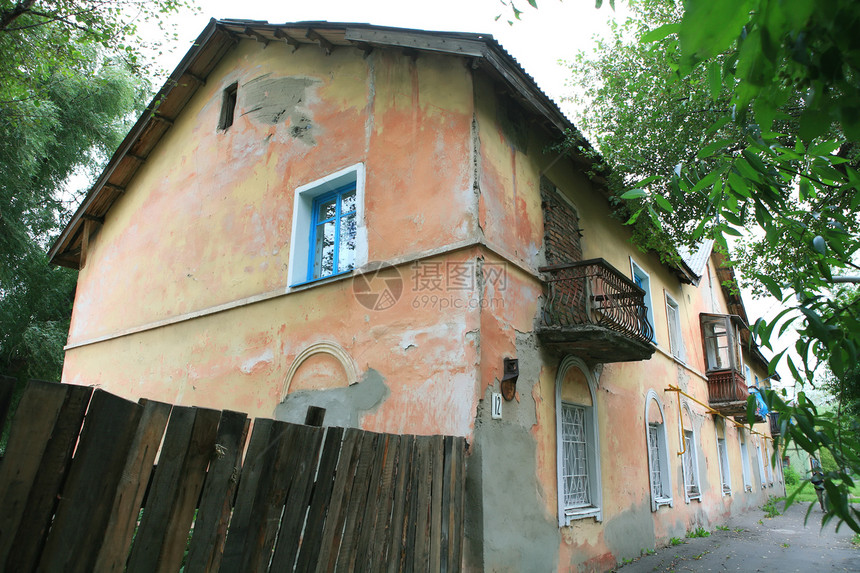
(727,392)
(595,312)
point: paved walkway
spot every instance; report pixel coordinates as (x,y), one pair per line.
(755,543)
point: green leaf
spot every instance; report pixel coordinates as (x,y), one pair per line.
(715,79)
(718,125)
(709,27)
(663,203)
(660,32)
(709,149)
(634,194)
(819,244)
(633,217)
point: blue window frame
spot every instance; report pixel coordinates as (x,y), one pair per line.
(333,232)
(643,281)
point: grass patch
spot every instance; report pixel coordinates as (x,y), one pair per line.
(806,492)
(770,509)
(676,541)
(722,528)
(699,532)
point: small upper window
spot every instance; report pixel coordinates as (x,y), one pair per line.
(676,341)
(228,106)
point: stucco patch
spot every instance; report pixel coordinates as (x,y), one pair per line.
(344,406)
(272,101)
(630,531)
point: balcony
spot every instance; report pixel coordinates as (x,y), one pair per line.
(727,392)
(595,312)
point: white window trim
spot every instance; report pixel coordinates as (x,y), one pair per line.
(665,472)
(761,473)
(694,456)
(727,470)
(566,516)
(303,199)
(746,468)
(635,270)
(676,342)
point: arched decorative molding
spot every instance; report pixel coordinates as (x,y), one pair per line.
(662,460)
(324,347)
(593,430)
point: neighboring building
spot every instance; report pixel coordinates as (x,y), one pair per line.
(220,251)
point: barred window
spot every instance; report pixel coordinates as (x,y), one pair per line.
(577,440)
(575,458)
(659,474)
(691,473)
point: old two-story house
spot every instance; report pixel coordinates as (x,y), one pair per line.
(370,224)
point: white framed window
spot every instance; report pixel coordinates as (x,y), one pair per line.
(768,466)
(689,458)
(676,340)
(745,462)
(659,474)
(329,236)
(578,445)
(723,457)
(643,281)
(761,474)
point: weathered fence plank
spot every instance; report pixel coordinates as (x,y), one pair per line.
(360,501)
(216,501)
(304,462)
(357,498)
(42,501)
(333,529)
(189,444)
(319,502)
(260,449)
(7,390)
(396,554)
(31,428)
(132,486)
(96,469)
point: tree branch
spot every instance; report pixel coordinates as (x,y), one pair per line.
(9,16)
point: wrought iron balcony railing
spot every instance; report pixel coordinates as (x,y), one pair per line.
(593,293)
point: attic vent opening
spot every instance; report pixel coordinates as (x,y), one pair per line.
(228,106)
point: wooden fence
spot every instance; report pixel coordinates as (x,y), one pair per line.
(79,491)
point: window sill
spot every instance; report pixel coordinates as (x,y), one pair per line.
(663,501)
(323,280)
(571,515)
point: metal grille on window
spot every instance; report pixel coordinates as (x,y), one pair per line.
(690,482)
(575,466)
(656,474)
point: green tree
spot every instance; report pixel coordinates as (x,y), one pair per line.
(70,83)
(745,115)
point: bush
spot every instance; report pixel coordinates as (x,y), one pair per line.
(791,476)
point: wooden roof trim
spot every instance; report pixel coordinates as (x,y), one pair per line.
(74,226)
(319,39)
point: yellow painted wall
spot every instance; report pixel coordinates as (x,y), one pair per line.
(208,218)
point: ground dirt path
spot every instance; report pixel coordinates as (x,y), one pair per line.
(755,543)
